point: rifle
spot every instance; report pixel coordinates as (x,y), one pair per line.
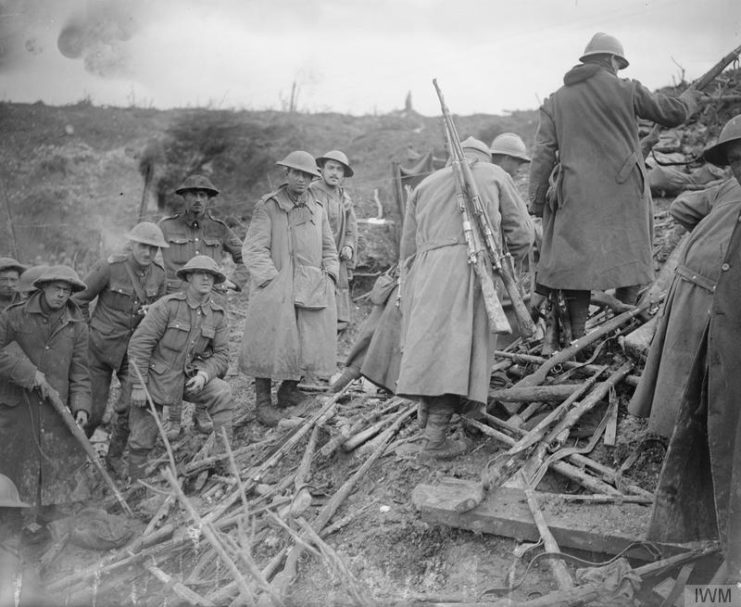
(701,83)
(484,252)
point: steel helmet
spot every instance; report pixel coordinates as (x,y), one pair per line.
(8,263)
(25,284)
(730,132)
(476,144)
(202,263)
(149,233)
(510,144)
(9,497)
(61,274)
(602,44)
(197,182)
(301,161)
(337,156)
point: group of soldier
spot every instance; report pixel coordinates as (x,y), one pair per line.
(162,328)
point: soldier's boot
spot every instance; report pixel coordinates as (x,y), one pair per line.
(423,412)
(289,395)
(577,303)
(349,374)
(117,444)
(202,421)
(137,465)
(265,412)
(172,419)
(438,445)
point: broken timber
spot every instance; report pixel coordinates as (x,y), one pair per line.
(606,528)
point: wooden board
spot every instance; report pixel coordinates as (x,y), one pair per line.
(606,528)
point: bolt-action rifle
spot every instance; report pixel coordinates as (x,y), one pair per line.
(485,253)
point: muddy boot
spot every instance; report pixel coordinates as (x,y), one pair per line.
(289,395)
(172,421)
(423,412)
(202,421)
(349,374)
(137,466)
(577,303)
(117,444)
(265,412)
(438,445)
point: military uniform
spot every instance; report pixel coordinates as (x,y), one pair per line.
(176,339)
(205,236)
(122,288)
(338,205)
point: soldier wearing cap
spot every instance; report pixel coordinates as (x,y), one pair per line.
(447,344)
(597,222)
(691,382)
(334,168)
(124,284)
(181,349)
(10,272)
(291,325)
(43,348)
(509,152)
(195,231)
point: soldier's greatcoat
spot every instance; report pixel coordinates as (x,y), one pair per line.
(447,345)
(291,324)
(597,228)
(37,451)
(711,215)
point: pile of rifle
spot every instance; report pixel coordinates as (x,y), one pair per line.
(202,548)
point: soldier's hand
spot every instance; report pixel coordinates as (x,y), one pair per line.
(230,286)
(138,397)
(346,253)
(40,383)
(81,418)
(195,384)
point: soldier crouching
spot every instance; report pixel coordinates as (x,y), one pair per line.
(181,350)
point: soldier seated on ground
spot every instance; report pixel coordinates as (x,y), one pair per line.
(181,350)
(10,272)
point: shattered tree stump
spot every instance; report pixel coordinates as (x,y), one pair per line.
(606,528)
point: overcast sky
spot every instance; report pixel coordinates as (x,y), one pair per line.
(349,56)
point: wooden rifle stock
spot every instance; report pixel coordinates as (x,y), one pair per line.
(468,193)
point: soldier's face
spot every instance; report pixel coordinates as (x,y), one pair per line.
(297,181)
(333,173)
(143,254)
(733,155)
(56,293)
(8,283)
(196,202)
(200,283)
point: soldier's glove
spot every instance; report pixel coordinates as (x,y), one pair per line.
(81,418)
(196,383)
(138,397)
(40,383)
(346,253)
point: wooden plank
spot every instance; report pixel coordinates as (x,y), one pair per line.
(606,528)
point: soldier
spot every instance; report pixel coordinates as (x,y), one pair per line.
(509,152)
(597,225)
(10,272)
(194,231)
(335,168)
(694,361)
(181,349)
(291,325)
(447,345)
(43,348)
(125,285)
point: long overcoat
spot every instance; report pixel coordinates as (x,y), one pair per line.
(341,214)
(699,492)
(711,216)
(291,325)
(597,229)
(36,448)
(447,344)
